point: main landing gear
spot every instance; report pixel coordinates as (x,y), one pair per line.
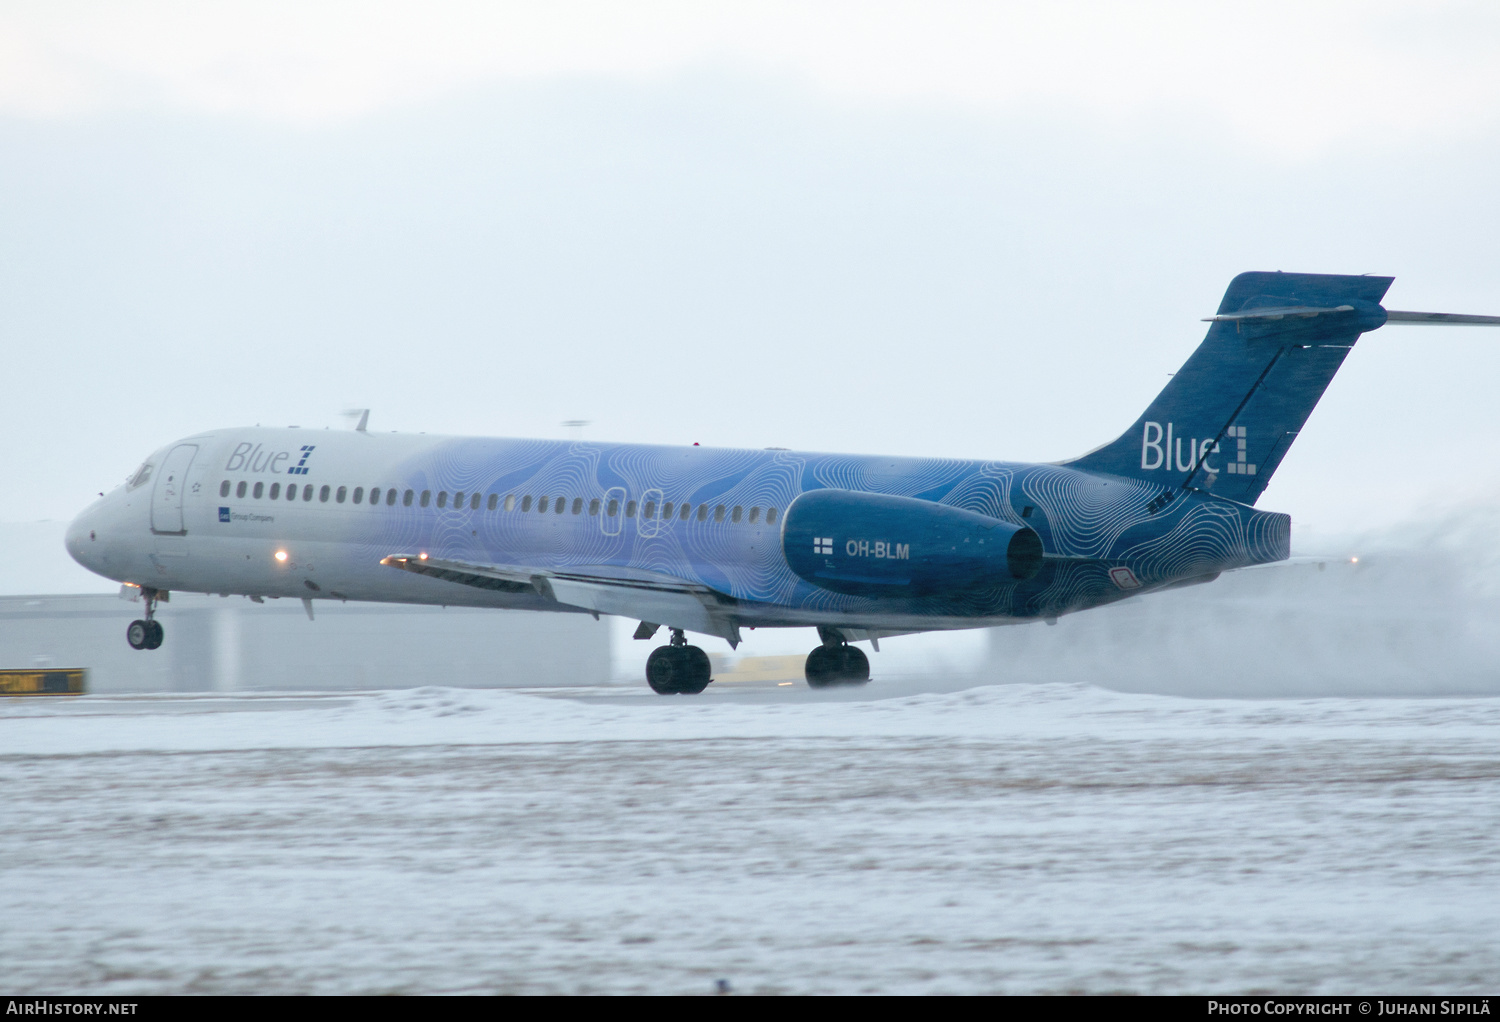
(678,669)
(145,634)
(836,662)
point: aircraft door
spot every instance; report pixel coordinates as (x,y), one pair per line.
(614,498)
(171,484)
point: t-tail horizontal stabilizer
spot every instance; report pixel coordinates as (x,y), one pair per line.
(1440,318)
(1230,414)
(1391,316)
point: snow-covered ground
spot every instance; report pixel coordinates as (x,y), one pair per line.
(1004,838)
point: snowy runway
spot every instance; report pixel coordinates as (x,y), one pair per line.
(1007,838)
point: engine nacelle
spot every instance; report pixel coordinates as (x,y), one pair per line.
(872,544)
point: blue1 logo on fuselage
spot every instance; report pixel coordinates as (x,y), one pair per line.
(249,457)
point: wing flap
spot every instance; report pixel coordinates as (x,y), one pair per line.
(601,589)
(501,578)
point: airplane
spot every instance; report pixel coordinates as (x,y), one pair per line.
(712,541)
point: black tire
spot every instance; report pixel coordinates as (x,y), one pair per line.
(137,634)
(666,670)
(854,666)
(698,670)
(822,669)
(153,641)
(837,665)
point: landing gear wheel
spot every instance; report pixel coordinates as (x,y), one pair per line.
(822,667)
(674,670)
(146,634)
(700,671)
(663,667)
(854,666)
(837,665)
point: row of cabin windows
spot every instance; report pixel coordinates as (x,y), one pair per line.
(556,505)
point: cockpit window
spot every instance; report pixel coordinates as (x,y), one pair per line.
(141,475)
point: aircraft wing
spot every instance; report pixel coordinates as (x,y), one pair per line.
(600,589)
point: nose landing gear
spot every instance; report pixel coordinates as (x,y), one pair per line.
(146,634)
(678,669)
(836,662)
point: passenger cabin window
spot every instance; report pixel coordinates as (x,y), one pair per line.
(291,491)
(526,503)
(614,507)
(390,497)
(259,491)
(649,511)
(719,513)
(340,494)
(754,515)
(426,497)
(702,512)
(630,509)
(442,498)
(578,505)
(458,499)
(739,513)
(224,488)
(239,491)
(686,508)
(494,499)
(510,502)
(474,502)
(541,505)
(359,495)
(307,492)
(666,510)
(559,505)
(323,494)
(406,498)
(594,506)
(770,515)
(275,493)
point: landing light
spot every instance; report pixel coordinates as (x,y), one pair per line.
(1354,560)
(421,557)
(281,555)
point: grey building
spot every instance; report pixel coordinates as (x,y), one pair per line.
(230,644)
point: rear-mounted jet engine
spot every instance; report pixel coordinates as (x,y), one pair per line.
(872,544)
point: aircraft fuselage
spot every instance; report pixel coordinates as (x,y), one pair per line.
(289,513)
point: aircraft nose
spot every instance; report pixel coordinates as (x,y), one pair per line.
(82,540)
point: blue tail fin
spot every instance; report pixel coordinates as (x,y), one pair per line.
(1227,418)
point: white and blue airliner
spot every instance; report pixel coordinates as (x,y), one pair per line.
(714,541)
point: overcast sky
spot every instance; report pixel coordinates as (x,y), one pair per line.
(945,229)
